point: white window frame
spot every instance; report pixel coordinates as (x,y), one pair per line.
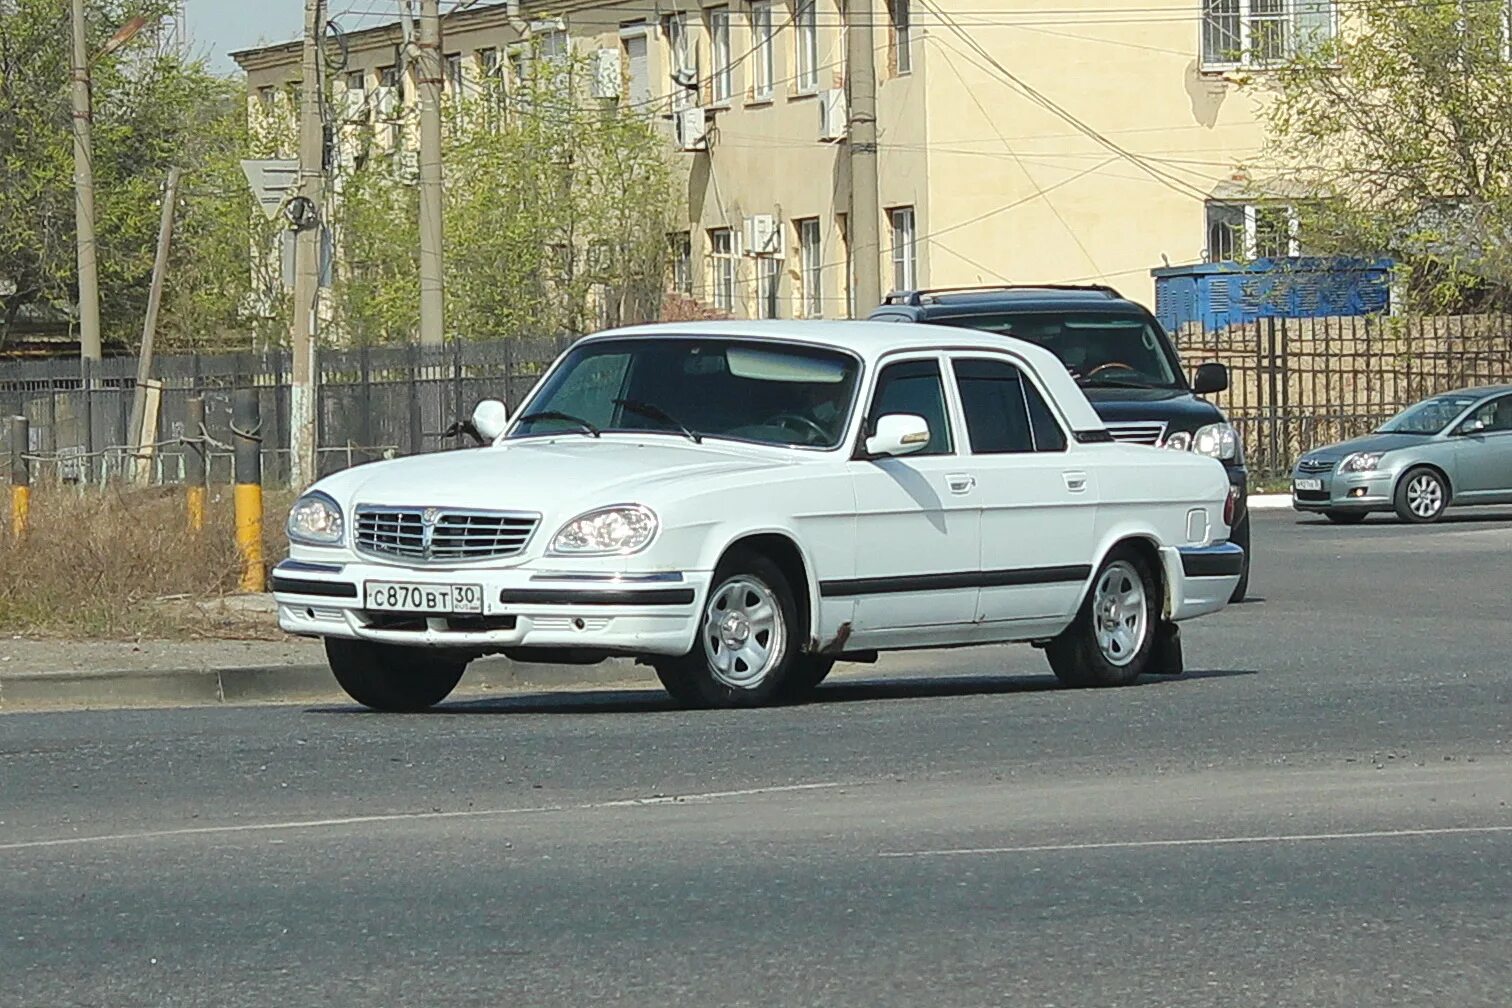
(763,50)
(682,262)
(903,225)
(722,264)
(768,287)
(721,71)
(810,267)
(681,55)
(454,70)
(900,33)
(1249,235)
(806,46)
(1286,15)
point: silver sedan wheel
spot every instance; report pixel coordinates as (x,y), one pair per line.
(1120,613)
(1425,495)
(743,632)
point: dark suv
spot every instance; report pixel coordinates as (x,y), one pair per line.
(1120,357)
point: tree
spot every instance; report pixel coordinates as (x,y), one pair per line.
(1400,132)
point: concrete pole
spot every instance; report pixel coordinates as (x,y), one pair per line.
(307,246)
(84,208)
(428,77)
(154,302)
(865,209)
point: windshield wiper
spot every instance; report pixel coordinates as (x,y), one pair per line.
(587,427)
(651,412)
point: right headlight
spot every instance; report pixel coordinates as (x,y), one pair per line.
(1216,440)
(617,530)
(315,520)
(1361,462)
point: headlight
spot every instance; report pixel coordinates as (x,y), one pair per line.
(1216,440)
(315,520)
(624,528)
(1361,462)
(1180,441)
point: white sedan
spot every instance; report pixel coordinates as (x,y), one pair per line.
(741,505)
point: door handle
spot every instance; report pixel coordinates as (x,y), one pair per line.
(960,483)
(1076,482)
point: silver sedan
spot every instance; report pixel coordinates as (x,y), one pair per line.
(1449,450)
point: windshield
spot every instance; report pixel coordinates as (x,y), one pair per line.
(1100,350)
(769,393)
(1429,416)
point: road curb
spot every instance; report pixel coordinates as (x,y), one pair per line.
(86,689)
(1268,502)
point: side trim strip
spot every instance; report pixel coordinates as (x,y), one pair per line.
(954,581)
(1226,560)
(546,596)
(314,589)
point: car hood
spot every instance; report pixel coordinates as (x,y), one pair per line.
(1370,443)
(1180,408)
(548,474)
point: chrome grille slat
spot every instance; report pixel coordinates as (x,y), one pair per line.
(400,532)
(1145,432)
(1316,465)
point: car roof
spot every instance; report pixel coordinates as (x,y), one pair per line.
(1476,390)
(926,304)
(872,341)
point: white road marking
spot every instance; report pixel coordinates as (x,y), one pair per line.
(1201,841)
(301,824)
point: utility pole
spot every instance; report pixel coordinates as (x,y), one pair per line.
(305,217)
(865,209)
(84,208)
(137,430)
(428,76)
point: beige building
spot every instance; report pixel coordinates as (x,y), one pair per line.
(1060,142)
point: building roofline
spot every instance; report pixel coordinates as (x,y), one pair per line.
(278,53)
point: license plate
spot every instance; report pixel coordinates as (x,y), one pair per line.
(1308,484)
(409,597)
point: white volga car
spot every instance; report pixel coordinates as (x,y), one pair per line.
(741,505)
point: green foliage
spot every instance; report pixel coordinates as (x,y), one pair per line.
(1402,130)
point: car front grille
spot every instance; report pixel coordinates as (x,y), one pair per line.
(1308,465)
(1147,432)
(435,535)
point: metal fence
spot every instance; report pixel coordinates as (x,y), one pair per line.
(372,403)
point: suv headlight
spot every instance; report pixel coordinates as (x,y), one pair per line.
(1361,462)
(1180,441)
(1216,440)
(315,520)
(623,528)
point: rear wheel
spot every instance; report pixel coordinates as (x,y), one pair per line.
(1345,517)
(1112,639)
(1421,496)
(391,678)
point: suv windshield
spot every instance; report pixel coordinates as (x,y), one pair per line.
(769,393)
(1099,349)
(1429,416)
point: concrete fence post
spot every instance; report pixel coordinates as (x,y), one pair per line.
(246,430)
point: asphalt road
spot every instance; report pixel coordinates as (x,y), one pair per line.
(1318,815)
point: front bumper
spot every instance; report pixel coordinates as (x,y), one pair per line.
(1201,579)
(1340,491)
(628,614)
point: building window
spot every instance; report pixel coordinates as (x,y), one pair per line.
(682,262)
(768,282)
(901,35)
(722,254)
(842,223)
(488,64)
(682,62)
(763,59)
(904,260)
(806,30)
(267,97)
(388,76)
(456,80)
(1225,232)
(810,268)
(1263,32)
(638,74)
(721,75)
(1243,231)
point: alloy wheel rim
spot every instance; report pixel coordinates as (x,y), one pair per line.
(743,632)
(1425,496)
(1120,613)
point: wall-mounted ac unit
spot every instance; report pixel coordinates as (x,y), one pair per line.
(833,115)
(763,237)
(605,81)
(692,130)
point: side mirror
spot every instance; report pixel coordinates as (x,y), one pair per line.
(1210,378)
(489,419)
(1474,425)
(898,434)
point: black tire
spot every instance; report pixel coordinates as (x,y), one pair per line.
(1076,657)
(1416,485)
(391,678)
(1345,517)
(1241,537)
(693,680)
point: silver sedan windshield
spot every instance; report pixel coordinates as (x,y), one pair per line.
(1429,416)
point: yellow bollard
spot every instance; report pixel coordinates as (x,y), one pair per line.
(247,495)
(20,474)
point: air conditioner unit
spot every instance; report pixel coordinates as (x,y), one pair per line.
(353,106)
(763,236)
(833,115)
(605,81)
(692,130)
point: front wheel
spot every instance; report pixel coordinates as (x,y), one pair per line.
(392,678)
(1421,496)
(1112,638)
(746,652)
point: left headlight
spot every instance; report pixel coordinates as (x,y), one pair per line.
(1216,440)
(1361,462)
(315,520)
(624,528)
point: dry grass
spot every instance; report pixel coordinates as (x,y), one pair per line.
(121,564)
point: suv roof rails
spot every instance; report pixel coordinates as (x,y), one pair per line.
(916,297)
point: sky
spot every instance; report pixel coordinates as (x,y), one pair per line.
(218,27)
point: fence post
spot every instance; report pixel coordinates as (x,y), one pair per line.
(195,469)
(247,494)
(20,475)
(416,431)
